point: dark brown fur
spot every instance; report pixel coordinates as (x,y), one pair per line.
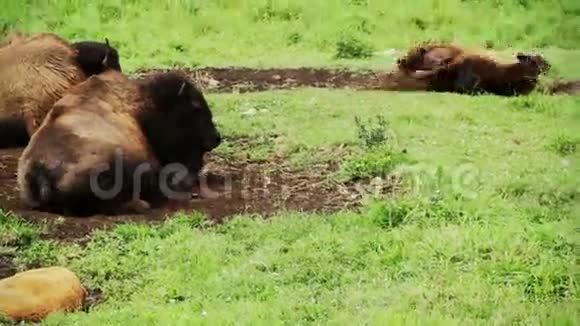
(35,72)
(428,57)
(473,74)
(157,121)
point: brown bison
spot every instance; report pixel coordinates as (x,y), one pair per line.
(428,57)
(473,74)
(35,72)
(109,145)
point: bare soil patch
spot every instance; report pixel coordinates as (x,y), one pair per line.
(241,79)
(228,187)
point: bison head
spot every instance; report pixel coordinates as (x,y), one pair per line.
(96,57)
(537,63)
(413,60)
(180,126)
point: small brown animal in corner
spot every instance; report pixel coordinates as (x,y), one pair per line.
(35,72)
(475,74)
(428,57)
(105,146)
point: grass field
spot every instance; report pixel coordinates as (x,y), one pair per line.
(483,226)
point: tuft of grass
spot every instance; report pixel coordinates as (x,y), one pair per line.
(349,47)
(16,233)
(378,162)
(564,144)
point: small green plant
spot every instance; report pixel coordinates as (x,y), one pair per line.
(378,162)
(372,136)
(349,47)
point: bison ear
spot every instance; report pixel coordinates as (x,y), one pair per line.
(422,50)
(181,89)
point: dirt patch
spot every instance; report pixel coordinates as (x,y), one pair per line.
(241,80)
(228,187)
(7,269)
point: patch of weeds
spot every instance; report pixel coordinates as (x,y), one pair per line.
(514,189)
(393,213)
(178,46)
(40,253)
(247,148)
(180,221)
(109,13)
(552,287)
(349,47)
(378,162)
(360,24)
(564,145)
(420,23)
(359,3)
(390,214)
(464,117)
(557,199)
(15,232)
(372,136)
(293,38)
(536,104)
(381,154)
(269,13)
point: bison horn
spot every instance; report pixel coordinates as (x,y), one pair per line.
(181,89)
(106,58)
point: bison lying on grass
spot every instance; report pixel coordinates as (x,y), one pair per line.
(107,145)
(35,72)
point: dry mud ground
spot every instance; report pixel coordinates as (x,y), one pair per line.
(242,80)
(231,188)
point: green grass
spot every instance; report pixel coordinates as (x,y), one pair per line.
(484,230)
(298,32)
(496,245)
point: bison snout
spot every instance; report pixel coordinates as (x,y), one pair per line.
(213,142)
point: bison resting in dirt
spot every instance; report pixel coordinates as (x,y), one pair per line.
(475,74)
(35,72)
(109,143)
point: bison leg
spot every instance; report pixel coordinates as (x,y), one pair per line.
(136,206)
(13,133)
